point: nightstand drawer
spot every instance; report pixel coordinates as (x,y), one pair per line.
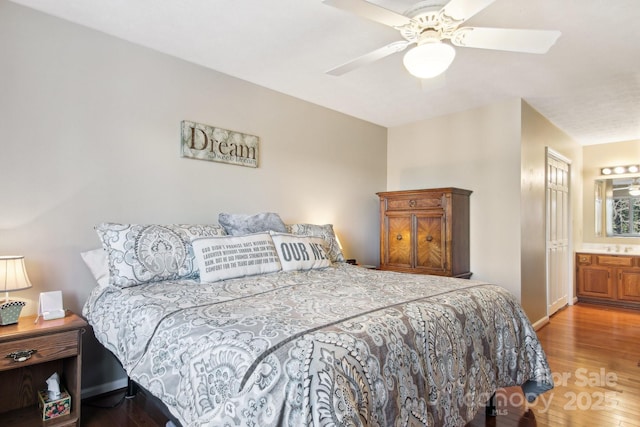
(48,347)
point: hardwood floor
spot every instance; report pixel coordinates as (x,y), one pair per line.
(594,354)
(593,351)
(113,410)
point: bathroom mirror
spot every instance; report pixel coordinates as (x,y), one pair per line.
(617,206)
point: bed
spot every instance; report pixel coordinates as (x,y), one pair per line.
(335,344)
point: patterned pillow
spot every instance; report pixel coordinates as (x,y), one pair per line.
(300,252)
(143,253)
(323,231)
(240,224)
(221,258)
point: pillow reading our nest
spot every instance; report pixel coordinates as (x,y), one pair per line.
(240,224)
(323,231)
(300,252)
(221,258)
(143,253)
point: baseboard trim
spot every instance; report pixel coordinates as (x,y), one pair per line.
(540,323)
(104,388)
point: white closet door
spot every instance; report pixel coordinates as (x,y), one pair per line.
(558,231)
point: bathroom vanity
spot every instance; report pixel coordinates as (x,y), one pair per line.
(608,278)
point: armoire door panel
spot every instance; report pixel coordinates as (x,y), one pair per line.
(430,243)
(399,243)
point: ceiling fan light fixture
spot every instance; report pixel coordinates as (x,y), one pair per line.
(429,59)
(634,190)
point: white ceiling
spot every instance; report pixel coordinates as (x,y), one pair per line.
(588,84)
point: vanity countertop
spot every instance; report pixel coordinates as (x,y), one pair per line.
(609,249)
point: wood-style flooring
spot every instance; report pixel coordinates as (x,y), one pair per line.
(593,351)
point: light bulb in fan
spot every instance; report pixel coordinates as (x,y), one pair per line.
(429,59)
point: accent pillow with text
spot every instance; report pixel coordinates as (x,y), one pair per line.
(301,252)
(221,258)
(325,232)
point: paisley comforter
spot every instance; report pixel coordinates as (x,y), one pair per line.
(338,346)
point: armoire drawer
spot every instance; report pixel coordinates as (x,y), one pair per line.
(434,201)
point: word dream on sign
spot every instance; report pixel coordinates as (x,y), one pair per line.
(203,142)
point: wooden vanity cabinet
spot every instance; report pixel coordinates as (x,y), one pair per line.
(629,284)
(609,279)
(425,231)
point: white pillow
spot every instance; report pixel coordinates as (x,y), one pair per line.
(221,258)
(301,252)
(96,260)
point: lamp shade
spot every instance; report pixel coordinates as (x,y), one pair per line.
(429,59)
(13,274)
(634,190)
(13,277)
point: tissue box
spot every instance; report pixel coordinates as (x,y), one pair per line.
(52,408)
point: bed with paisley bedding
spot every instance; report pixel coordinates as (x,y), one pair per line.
(330,344)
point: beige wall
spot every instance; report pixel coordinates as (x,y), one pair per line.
(537,134)
(478,150)
(90,133)
(596,157)
(498,152)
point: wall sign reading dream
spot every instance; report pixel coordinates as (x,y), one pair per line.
(205,142)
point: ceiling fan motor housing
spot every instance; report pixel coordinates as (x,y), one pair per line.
(428,21)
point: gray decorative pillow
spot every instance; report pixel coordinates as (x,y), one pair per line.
(240,224)
(143,253)
(325,232)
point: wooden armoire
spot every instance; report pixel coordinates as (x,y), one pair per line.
(425,231)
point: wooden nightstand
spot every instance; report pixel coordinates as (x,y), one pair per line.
(58,348)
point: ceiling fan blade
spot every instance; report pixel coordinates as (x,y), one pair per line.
(371,11)
(528,41)
(370,57)
(461,10)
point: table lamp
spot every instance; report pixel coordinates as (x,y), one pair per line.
(13,277)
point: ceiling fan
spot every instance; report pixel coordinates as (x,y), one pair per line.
(428,23)
(633,187)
